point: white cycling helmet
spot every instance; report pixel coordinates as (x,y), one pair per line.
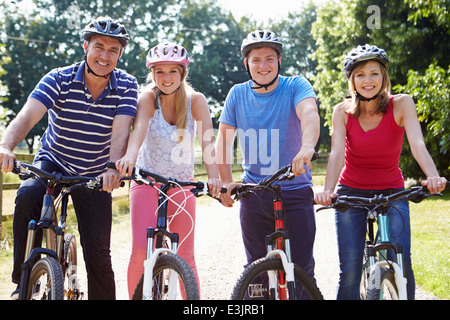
(260,39)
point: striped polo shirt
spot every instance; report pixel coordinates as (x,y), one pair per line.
(78,135)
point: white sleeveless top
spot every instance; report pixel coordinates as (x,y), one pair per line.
(161,153)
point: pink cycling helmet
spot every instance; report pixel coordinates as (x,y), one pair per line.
(167,52)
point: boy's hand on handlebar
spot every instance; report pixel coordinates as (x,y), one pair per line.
(324,198)
(435,184)
(302,158)
(225,198)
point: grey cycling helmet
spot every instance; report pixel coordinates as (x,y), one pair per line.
(364,53)
(259,39)
(106,27)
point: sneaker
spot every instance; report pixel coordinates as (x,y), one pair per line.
(15,294)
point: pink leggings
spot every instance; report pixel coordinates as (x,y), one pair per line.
(143,205)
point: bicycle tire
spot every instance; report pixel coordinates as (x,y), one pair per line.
(51,287)
(70,254)
(381,285)
(186,279)
(250,284)
(72,290)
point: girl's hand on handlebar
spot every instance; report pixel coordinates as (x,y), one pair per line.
(214,187)
(125,165)
(324,198)
(435,184)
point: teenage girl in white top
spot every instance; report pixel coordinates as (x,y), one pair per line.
(162,141)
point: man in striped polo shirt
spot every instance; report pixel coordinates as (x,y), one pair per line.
(90,107)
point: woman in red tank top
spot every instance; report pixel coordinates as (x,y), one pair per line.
(366,143)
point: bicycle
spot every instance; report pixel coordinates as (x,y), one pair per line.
(382,279)
(274,277)
(45,278)
(164,269)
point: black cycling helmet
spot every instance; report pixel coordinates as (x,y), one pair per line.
(106,27)
(260,39)
(364,53)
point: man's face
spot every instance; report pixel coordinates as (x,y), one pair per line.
(263,64)
(102,54)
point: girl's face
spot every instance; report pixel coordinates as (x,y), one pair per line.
(167,77)
(368,79)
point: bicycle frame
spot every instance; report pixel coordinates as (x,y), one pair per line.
(281,236)
(382,242)
(54,232)
(161,231)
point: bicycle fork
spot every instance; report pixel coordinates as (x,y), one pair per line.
(384,244)
(279,284)
(152,256)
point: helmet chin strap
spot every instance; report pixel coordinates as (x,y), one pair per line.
(92,71)
(362,98)
(265,86)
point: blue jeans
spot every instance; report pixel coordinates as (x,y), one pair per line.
(351,227)
(94,214)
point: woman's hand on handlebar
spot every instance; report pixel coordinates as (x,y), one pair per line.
(324,198)
(435,184)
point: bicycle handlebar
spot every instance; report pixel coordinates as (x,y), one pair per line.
(415,194)
(285,173)
(149,178)
(26,171)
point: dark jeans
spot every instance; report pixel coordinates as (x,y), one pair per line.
(257,221)
(94,213)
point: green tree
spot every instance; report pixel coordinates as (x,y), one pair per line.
(415,34)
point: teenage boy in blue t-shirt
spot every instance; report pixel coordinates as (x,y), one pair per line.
(90,107)
(277,122)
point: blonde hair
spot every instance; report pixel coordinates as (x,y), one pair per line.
(181,98)
(353,106)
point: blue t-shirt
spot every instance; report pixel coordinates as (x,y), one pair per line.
(268,127)
(78,135)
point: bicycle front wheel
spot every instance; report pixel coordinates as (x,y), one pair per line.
(254,284)
(381,285)
(46,281)
(173,279)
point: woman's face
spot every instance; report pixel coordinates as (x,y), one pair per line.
(368,79)
(167,77)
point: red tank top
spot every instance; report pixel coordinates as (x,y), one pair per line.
(371,158)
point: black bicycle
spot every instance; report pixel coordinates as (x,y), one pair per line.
(166,275)
(274,277)
(50,273)
(382,279)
